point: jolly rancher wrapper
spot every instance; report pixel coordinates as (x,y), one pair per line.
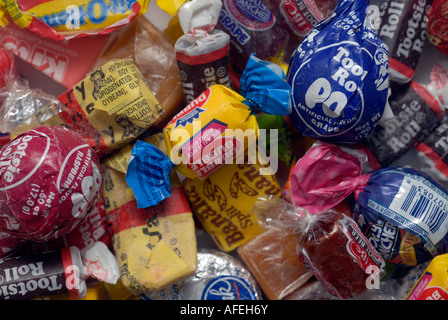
(338,77)
(65,19)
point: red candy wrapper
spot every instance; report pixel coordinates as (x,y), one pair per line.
(333,247)
(49,181)
(436,30)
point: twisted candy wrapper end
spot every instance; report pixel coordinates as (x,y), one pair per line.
(148,174)
(326,175)
(263,84)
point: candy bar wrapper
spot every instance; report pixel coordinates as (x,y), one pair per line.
(403,30)
(63,20)
(155,57)
(109,108)
(222,202)
(219,276)
(416,114)
(156,245)
(50,181)
(402,211)
(433,284)
(271,256)
(334,248)
(63,271)
(435,26)
(250,24)
(66,62)
(202,53)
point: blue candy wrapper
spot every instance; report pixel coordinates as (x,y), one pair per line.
(339,77)
(264,86)
(400,198)
(148,174)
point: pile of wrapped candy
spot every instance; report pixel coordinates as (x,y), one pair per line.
(249,150)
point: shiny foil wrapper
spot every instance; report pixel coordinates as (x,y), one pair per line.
(219,276)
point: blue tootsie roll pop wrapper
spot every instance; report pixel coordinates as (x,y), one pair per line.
(338,77)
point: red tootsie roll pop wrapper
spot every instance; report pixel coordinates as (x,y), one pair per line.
(49,181)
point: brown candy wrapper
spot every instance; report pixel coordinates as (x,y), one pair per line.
(154,55)
(271,256)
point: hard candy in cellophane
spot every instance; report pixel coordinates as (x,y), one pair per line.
(50,180)
(339,77)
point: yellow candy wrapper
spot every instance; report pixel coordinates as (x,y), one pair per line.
(433,284)
(109,108)
(155,247)
(213,130)
(67,19)
(222,202)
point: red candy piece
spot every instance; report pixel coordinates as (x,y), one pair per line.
(50,179)
(339,255)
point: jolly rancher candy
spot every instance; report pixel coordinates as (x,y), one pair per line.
(50,180)
(338,77)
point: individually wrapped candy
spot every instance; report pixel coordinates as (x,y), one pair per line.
(433,283)
(436,26)
(222,202)
(337,80)
(109,108)
(55,272)
(219,276)
(202,53)
(62,19)
(50,180)
(271,256)
(334,248)
(300,16)
(403,212)
(403,30)
(251,27)
(155,246)
(416,114)
(214,130)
